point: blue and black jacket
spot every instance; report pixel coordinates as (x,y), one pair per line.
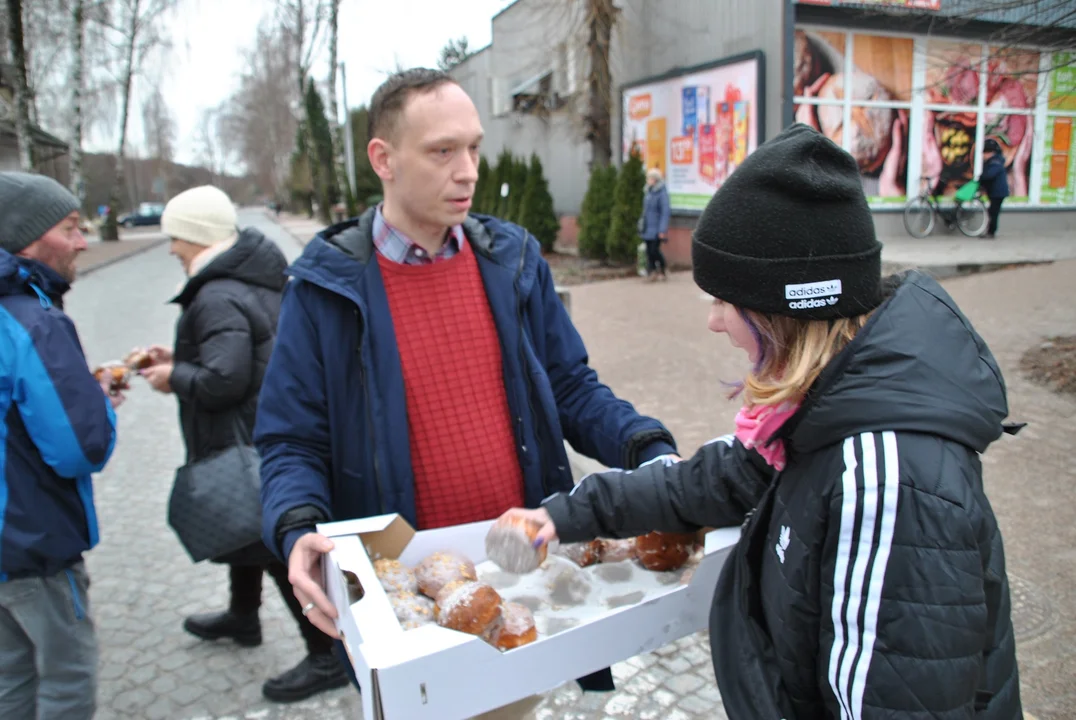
(58,426)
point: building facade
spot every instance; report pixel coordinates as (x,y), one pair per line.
(912,88)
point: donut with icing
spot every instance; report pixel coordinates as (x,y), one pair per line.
(395,577)
(445,592)
(617,550)
(441,568)
(516,627)
(660,551)
(412,610)
(510,544)
(472,608)
(582,554)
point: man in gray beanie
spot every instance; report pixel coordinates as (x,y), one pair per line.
(59,428)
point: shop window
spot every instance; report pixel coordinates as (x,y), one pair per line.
(857,90)
(1058,168)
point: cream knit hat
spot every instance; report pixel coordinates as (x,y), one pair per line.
(202,215)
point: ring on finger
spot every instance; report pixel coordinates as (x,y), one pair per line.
(307,608)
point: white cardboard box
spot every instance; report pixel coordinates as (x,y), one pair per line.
(433,673)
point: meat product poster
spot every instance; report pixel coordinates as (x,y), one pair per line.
(697,128)
(881,72)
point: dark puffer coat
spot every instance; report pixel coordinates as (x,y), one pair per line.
(224,337)
(869,580)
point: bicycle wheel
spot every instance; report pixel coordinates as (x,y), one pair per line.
(971,217)
(918,217)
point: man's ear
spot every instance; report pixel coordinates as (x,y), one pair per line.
(380,154)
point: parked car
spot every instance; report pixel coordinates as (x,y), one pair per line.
(146,214)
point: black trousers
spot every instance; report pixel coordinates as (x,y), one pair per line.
(654,256)
(993,212)
(246,586)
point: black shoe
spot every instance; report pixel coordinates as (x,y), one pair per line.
(246,630)
(315,674)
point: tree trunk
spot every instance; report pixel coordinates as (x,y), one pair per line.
(339,160)
(22,92)
(111,230)
(601,16)
(77,82)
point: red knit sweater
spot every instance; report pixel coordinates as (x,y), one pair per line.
(463,449)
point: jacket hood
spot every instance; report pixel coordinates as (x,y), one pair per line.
(338,256)
(21,275)
(916,366)
(253,259)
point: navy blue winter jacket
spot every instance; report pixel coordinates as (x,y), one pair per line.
(332,418)
(58,428)
(994,179)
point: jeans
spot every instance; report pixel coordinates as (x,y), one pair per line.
(48,649)
(246,587)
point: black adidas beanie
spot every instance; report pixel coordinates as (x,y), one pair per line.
(790,233)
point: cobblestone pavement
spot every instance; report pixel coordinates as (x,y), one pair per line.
(144,585)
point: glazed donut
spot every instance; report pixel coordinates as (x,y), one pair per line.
(660,551)
(516,627)
(582,554)
(510,544)
(412,610)
(138,360)
(617,550)
(441,568)
(119,376)
(471,608)
(395,577)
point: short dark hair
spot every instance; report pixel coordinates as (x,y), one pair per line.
(389,99)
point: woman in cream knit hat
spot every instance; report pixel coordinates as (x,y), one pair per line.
(230,304)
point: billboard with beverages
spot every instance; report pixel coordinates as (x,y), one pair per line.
(696,125)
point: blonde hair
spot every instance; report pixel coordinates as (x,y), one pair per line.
(654,173)
(792,354)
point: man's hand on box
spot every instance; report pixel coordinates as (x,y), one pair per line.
(304,574)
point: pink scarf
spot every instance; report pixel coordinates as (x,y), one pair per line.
(755,424)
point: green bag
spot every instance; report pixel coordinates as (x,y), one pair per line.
(967,191)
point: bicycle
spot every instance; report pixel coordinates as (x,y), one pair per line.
(968,213)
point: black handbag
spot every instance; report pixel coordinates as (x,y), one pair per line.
(215,507)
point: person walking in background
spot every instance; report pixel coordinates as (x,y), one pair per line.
(230,305)
(59,428)
(995,182)
(654,224)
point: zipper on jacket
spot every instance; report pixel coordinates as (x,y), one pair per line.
(369,418)
(523,369)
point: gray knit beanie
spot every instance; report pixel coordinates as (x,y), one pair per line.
(30,205)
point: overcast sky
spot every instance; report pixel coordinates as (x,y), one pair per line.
(209,36)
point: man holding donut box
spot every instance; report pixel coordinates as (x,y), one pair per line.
(424,364)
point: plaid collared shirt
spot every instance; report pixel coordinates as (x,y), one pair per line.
(399,248)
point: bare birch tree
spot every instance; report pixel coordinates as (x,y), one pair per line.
(78,82)
(334,110)
(17,50)
(138,32)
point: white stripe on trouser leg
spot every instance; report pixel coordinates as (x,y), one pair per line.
(890,496)
(840,568)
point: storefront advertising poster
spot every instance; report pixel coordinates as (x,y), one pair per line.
(696,127)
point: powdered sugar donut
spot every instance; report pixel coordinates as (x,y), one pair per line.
(582,554)
(441,568)
(395,577)
(510,544)
(617,550)
(412,610)
(516,627)
(471,608)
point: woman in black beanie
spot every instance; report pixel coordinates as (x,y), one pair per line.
(869,579)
